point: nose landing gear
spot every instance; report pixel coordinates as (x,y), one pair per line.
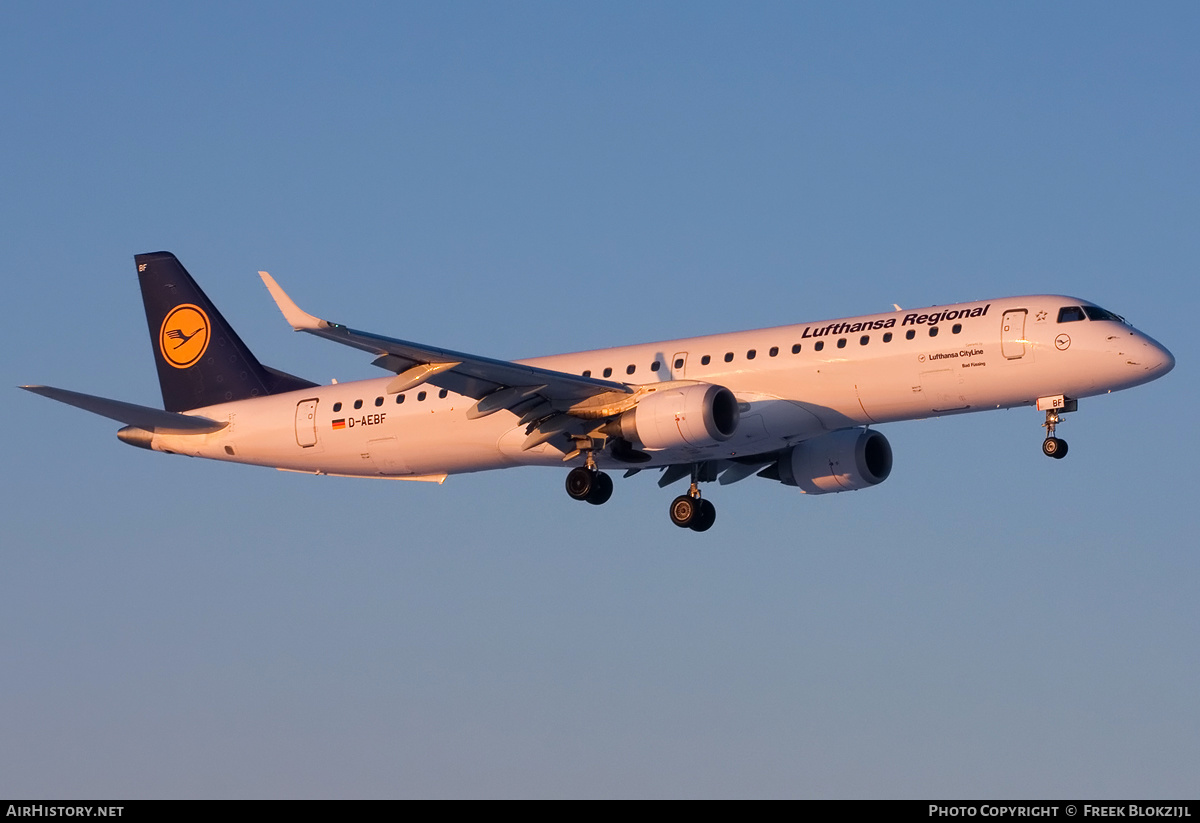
(1054,447)
(1055,406)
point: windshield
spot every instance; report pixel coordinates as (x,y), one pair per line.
(1097,313)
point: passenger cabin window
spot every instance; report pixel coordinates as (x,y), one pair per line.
(841,342)
(728,357)
(655,365)
(820,344)
(337,407)
(399,399)
(1069,314)
(358,404)
(587,372)
(887,337)
(378,401)
(910,334)
(608,371)
(774,352)
(750,355)
(933,330)
(679,362)
(705,360)
(864,340)
(420,395)
(630,369)
(796,349)
(957,328)
(442,394)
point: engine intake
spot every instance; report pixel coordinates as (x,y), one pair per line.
(840,461)
(696,414)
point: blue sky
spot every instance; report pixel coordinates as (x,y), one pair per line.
(528,178)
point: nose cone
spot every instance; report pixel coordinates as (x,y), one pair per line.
(1168,361)
(1154,358)
(1135,359)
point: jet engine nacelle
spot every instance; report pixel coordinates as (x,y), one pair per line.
(696,414)
(837,462)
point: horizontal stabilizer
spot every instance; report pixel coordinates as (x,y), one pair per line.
(144,417)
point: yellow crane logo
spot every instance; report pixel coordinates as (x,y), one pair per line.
(183,338)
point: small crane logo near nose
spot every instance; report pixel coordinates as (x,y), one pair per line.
(1062,342)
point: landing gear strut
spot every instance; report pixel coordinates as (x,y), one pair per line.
(589,483)
(1053,446)
(690,511)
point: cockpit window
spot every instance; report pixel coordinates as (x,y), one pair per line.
(1069,314)
(1097,313)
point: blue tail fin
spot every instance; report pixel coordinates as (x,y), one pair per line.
(201,361)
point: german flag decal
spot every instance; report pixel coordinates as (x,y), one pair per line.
(340,423)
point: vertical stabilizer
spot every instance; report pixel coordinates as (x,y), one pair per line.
(201,361)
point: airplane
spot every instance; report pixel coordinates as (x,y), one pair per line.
(792,404)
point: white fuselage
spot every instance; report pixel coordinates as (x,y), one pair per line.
(792,382)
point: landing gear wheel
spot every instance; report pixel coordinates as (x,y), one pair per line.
(1054,447)
(683,510)
(602,489)
(705,516)
(581,482)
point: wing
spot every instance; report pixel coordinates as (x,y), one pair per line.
(550,400)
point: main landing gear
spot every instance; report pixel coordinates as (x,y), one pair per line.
(589,483)
(693,513)
(690,511)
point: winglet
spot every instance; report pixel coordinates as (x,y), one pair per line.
(299,319)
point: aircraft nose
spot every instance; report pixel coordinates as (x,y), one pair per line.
(1154,357)
(1138,358)
(1164,362)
